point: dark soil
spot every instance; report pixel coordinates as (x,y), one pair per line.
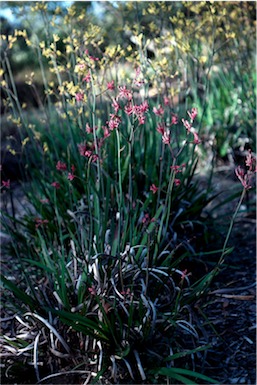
(229,308)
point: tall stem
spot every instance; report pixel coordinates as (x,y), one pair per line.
(120,191)
(221,260)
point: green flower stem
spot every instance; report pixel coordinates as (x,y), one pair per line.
(98,180)
(8,65)
(120,190)
(160,176)
(221,260)
(167,206)
(130,190)
(169,195)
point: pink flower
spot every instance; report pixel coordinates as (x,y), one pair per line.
(153,188)
(177,182)
(138,82)
(127,292)
(143,107)
(187,125)
(106,132)
(61,166)
(166,138)
(141,119)
(140,111)
(6,183)
(124,93)
(176,168)
(161,128)
(244,177)
(89,130)
(56,185)
(114,122)
(174,119)
(73,168)
(110,85)
(87,78)
(184,274)
(146,218)
(92,290)
(85,150)
(250,161)
(116,106)
(79,96)
(193,113)
(71,176)
(158,111)
(93,58)
(81,66)
(94,158)
(166,101)
(196,138)
(129,109)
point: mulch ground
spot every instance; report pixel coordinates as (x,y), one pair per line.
(231,304)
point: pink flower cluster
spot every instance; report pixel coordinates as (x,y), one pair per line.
(114,122)
(62,166)
(130,109)
(6,183)
(188,125)
(158,111)
(246,176)
(138,81)
(153,188)
(124,93)
(87,151)
(110,85)
(161,127)
(87,78)
(79,96)
(178,168)
(93,58)
(138,110)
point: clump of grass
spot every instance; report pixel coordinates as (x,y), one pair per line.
(101,247)
(102,293)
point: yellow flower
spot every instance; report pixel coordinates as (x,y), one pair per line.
(56,38)
(37,135)
(203,59)
(25,141)
(12,151)
(69,49)
(20,33)
(45,147)
(230,35)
